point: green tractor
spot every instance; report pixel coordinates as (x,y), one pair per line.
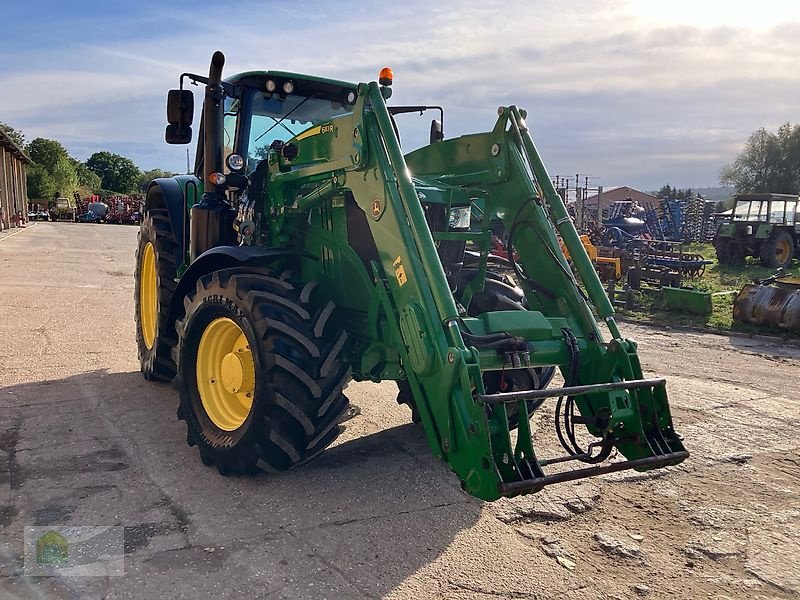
(766,226)
(309,251)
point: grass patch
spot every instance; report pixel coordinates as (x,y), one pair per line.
(717,278)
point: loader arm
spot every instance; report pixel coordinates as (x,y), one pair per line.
(465,425)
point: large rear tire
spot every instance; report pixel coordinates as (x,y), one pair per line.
(723,249)
(154,287)
(778,250)
(260,372)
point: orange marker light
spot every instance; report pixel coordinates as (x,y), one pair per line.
(216,178)
(385,77)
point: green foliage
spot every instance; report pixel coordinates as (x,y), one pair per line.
(54,171)
(147,176)
(15,134)
(65,177)
(769,162)
(46,153)
(41,185)
(86,177)
(675,193)
(117,173)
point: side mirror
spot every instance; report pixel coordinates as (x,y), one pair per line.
(437,135)
(180,112)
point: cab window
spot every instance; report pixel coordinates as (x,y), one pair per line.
(275,117)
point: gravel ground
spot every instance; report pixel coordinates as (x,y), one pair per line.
(85,441)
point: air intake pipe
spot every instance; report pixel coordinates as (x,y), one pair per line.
(212,218)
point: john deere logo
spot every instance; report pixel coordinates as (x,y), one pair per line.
(51,549)
(377,208)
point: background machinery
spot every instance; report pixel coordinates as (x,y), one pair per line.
(762,225)
(309,250)
(63,209)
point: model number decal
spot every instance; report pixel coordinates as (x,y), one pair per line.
(399,272)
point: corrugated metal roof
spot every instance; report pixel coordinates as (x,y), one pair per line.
(16,150)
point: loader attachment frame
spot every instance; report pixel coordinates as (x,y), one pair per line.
(445,355)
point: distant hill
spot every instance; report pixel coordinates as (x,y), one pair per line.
(718,194)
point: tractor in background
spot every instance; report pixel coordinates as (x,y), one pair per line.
(765,226)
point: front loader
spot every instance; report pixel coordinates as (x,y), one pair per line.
(308,250)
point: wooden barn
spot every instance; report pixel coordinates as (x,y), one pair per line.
(13,182)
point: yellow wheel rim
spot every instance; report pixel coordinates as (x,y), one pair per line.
(226,376)
(148,295)
(783,250)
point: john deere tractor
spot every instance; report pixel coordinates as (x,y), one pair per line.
(308,250)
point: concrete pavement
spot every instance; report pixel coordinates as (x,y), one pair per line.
(84,440)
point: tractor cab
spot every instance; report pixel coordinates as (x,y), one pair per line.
(775,209)
(269,110)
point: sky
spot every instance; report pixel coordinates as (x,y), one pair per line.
(630,92)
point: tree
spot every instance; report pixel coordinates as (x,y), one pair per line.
(769,162)
(15,134)
(64,176)
(673,193)
(55,173)
(41,185)
(46,153)
(147,176)
(86,177)
(117,173)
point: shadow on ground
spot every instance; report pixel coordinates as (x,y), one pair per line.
(107,449)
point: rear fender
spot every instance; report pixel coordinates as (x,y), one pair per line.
(763,231)
(168,193)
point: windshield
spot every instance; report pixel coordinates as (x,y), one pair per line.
(776,210)
(283,118)
(750,210)
(791,212)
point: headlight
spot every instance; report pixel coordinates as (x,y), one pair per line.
(288,87)
(749,230)
(235,162)
(270,85)
(460,217)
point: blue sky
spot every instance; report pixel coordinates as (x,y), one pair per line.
(634,92)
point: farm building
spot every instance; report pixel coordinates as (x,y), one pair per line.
(13,183)
(600,202)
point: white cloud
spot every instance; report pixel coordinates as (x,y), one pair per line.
(610,85)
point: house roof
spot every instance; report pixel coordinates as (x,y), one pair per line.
(8,143)
(613,188)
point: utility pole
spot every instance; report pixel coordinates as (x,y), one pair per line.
(188,172)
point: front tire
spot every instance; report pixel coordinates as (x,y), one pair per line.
(261,376)
(155,276)
(778,250)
